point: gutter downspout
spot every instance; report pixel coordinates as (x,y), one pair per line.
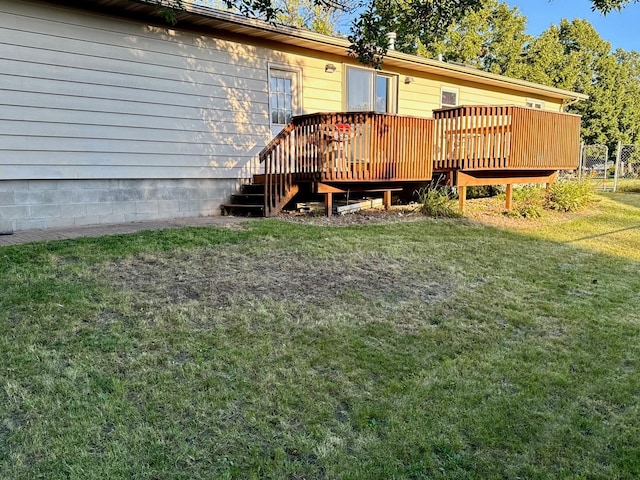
(565,106)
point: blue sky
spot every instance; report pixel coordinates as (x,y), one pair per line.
(621,29)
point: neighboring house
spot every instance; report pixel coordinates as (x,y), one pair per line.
(108,115)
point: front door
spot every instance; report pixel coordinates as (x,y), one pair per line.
(283,98)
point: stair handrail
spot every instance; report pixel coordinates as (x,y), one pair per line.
(276,140)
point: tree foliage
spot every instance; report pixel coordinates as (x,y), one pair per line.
(491,38)
(606,6)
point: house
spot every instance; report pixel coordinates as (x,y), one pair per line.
(109,115)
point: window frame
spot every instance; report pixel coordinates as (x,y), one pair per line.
(532,102)
(392,89)
(455,91)
(296,90)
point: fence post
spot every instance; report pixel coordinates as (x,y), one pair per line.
(618,158)
(581,161)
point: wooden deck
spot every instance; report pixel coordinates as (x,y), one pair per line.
(505,138)
(334,152)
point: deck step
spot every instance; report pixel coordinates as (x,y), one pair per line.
(252,188)
(243,209)
(247,196)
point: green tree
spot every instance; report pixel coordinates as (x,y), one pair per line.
(491,38)
(629,90)
(545,61)
(605,6)
(307,14)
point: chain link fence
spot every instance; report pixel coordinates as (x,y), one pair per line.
(596,166)
(627,166)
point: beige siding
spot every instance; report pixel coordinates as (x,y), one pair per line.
(422,96)
(88,96)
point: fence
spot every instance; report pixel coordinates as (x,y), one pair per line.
(609,172)
(627,166)
(595,164)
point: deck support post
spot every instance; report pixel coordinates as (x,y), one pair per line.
(387,199)
(509,196)
(328,204)
(548,188)
(462,197)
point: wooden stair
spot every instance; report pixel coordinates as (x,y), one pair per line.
(250,200)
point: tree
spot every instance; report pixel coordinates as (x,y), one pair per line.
(491,38)
(299,13)
(606,6)
(306,14)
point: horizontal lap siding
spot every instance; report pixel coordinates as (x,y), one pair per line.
(422,95)
(84,96)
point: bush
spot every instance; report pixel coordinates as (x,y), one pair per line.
(570,196)
(437,202)
(528,202)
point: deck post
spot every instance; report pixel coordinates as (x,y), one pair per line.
(462,197)
(387,199)
(509,196)
(328,204)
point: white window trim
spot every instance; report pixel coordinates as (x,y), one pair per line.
(455,91)
(285,68)
(533,103)
(393,86)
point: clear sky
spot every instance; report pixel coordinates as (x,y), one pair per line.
(621,29)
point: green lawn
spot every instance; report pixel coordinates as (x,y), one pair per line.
(432,349)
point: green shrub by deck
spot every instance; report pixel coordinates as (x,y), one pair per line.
(528,202)
(437,202)
(570,196)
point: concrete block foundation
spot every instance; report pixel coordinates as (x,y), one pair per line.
(45,204)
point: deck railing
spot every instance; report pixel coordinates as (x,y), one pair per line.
(375,147)
(505,137)
(347,147)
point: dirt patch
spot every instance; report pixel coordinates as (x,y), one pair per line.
(218,278)
(397,213)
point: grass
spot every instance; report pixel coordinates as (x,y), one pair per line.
(628,185)
(440,349)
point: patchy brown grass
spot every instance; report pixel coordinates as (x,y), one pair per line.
(221,278)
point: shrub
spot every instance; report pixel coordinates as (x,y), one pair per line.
(528,202)
(570,196)
(437,202)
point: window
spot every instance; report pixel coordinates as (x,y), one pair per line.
(368,91)
(283,96)
(535,104)
(448,97)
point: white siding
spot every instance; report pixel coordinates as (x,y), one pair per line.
(85,96)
